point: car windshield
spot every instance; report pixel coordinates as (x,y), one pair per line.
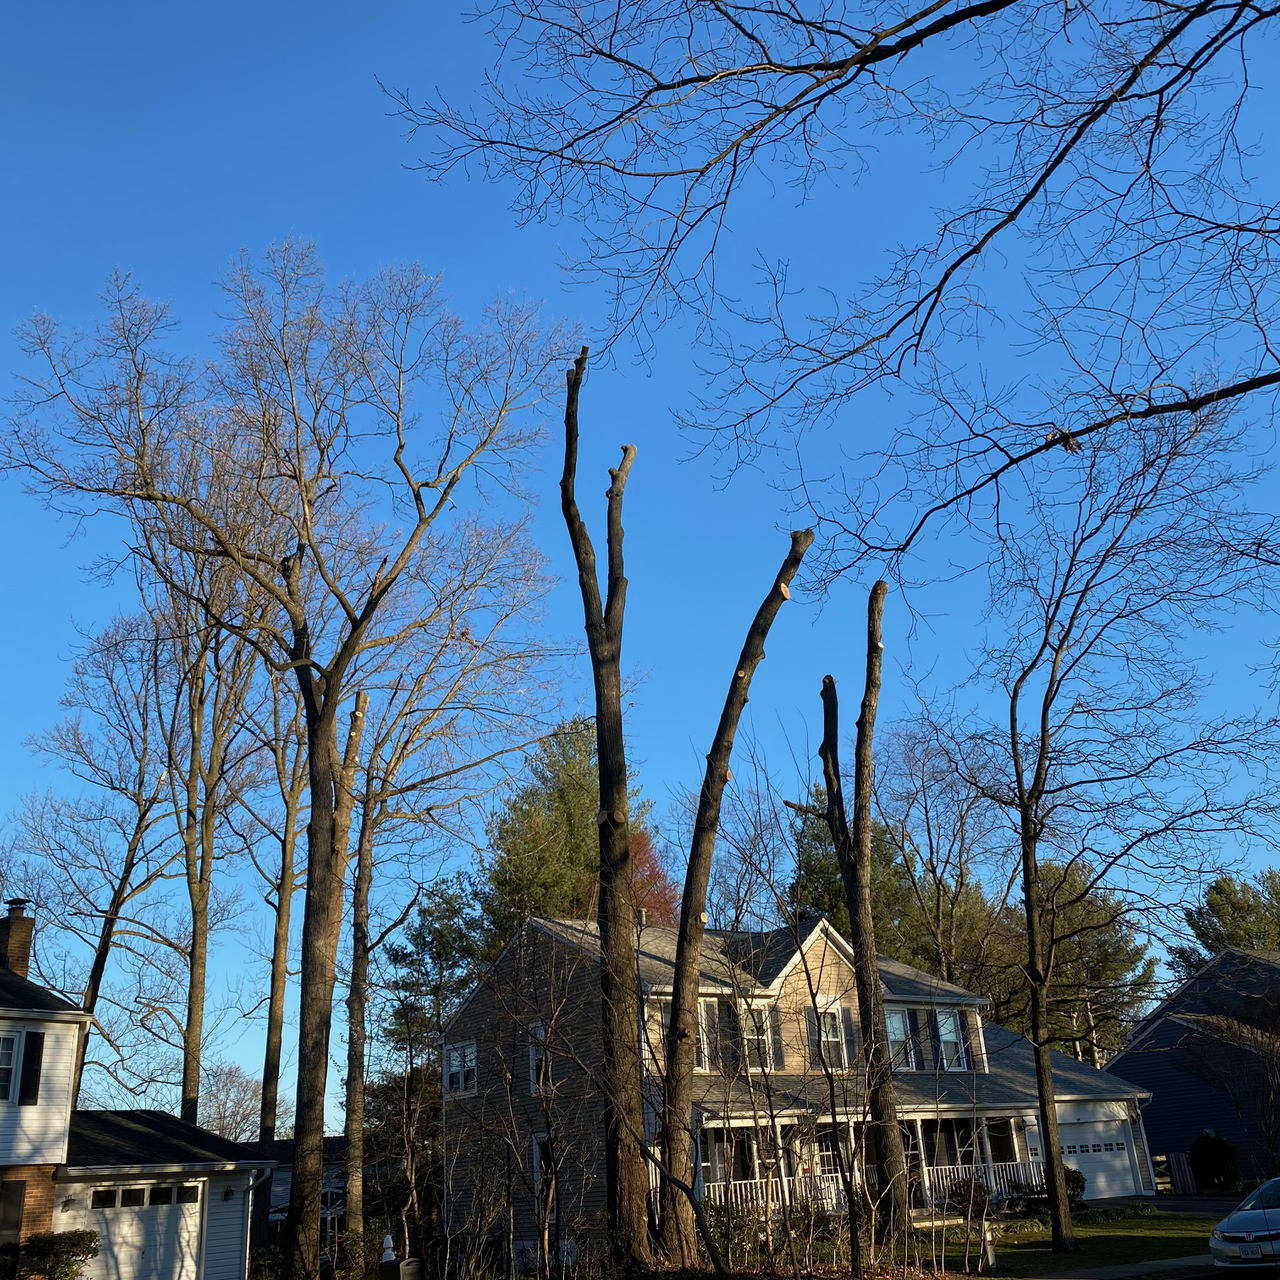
(1267,1196)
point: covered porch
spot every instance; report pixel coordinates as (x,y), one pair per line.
(788,1164)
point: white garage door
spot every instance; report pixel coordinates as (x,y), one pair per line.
(1100,1151)
(144,1233)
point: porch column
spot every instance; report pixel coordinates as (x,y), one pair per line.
(926,1184)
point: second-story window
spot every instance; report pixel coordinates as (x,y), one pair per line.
(831,1039)
(951,1054)
(539,1060)
(460,1068)
(901,1042)
(8,1058)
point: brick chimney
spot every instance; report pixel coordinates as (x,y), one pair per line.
(15,937)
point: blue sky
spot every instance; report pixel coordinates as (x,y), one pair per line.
(164,137)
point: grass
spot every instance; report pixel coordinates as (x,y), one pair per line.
(1133,1238)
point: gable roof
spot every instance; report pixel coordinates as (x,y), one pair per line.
(21,995)
(143,1139)
(1231,971)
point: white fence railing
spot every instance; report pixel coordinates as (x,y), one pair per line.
(826,1190)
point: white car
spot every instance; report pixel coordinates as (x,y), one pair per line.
(1251,1234)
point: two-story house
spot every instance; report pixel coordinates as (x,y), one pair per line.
(169,1200)
(779,1087)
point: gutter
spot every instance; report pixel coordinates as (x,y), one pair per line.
(75,1173)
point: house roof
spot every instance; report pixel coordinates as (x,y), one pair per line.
(22,994)
(335,1149)
(1009,1081)
(740,960)
(1218,988)
(149,1139)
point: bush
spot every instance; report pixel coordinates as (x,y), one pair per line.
(1076,1182)
(1143,1209)
(969,1198)
(736,1232)
(1215,1162)
(59,1255)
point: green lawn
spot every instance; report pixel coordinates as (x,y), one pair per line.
(1134,1238)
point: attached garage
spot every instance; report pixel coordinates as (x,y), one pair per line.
(1101,1150)
(147,1231)
(169,1201)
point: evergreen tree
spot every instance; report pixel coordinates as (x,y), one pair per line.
(544,846)
(1234,913)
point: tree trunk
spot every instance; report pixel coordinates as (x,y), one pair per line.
(626,1175)
(357,997)
(1063,1234)
(197,975)
(853,851)
(327,831)
(269,1114)
(677,1226)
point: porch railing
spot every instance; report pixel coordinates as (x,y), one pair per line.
(826,1191)
(1011,1178)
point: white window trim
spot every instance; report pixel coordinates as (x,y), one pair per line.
(820,1011)
(538,1049)
(19,1035)
(912,1060)
(964,1065)
(745,1011)
(461,1046)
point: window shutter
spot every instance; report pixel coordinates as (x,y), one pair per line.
(728,1036)
(968,1029)
(851,1037)
(935,1042)
(917,1039)
(711,1032)
(815,1044)
(775,1029)
(32,1062)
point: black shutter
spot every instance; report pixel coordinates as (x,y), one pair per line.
(935,1042)
(32,1061)
(815,1041)
(968,1027)
(850,1037)
(917,1040)
(711,1032)
(728,1037)
(775,1029)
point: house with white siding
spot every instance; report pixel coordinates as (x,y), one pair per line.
(169,1200)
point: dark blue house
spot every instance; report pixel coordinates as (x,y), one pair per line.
(1210,1057)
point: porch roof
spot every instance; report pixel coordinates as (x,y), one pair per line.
(1008,1085)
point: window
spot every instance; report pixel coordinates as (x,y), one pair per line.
(901,1050)
(1071,1150)
(706,1011)
(951,1056)
(1108,1146)
(831,1039)
(828,1162)
(132,1197)
(1097,1146)
(757,1038)
(544,1174)
(161,1195)
(8,1058)
(103,1199)
(1119,1146)
(189,1195)
(460,1068)
(540,1078)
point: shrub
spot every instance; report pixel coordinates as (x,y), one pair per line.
(736,1232)
(1215,1162)
(1076,1182)
(1143,1209)
(59,1255)
(969,1198)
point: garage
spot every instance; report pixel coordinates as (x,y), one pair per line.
(146,1232)
(1100,1150)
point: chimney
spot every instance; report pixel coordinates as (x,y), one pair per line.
(15,937)
(642,917)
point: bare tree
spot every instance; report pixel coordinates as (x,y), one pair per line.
(853,851)
(626,1176)
(101,853)
(677,1220)
(1096,750)
(231,1101)
(284,461)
